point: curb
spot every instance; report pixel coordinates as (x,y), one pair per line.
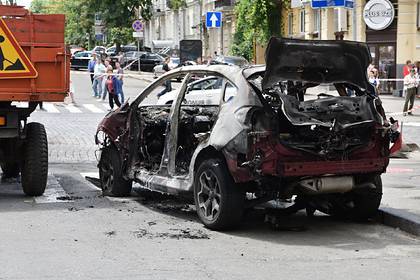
(401,219)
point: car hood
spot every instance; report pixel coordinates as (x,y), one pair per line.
(316,61)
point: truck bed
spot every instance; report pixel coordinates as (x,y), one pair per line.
(42,39)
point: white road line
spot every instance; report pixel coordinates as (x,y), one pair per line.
(106,106)
(93,175)
(417,124)
(93,108)
(52,192)
(72,109)
(50,108)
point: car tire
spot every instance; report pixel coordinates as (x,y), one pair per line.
(214,187)
(110,174)
(10,170)
(361,204)
(35,160)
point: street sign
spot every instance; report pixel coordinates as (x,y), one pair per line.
(332,4)
(137,25)
(13,61)
(138,34)
(213,19)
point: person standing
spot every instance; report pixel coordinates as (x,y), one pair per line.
(410,85)
(98,74)
(91,66)
(407,68)
(120,80)
(168,86)
(111,84)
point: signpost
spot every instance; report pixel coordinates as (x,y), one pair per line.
(138,33)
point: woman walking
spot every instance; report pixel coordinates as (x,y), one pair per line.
(111,86)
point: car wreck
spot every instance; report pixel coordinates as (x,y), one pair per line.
(261,140)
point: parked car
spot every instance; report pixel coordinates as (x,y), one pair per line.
(80,60)
(127,48)
(128,58)
(229,60)
(99,50)
(256,141)
(147,62)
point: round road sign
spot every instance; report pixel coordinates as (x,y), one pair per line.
(137,25)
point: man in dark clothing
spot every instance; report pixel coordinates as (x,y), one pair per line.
(167,84)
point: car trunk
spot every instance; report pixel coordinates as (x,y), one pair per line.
(330,127)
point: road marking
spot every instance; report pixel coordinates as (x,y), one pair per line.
(395,170)
(93,175)
(106,106)
(93,108)
(50,108)
(72,109)
(417,124)
(53,191)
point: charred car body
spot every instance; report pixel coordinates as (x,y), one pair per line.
(260,143)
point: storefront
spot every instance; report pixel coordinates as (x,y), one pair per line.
(381,17)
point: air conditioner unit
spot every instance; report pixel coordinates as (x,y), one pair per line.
(340,19)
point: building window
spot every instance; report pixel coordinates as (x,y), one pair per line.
(317,20)
(302,21)
(290,24)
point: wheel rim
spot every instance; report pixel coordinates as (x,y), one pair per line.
(209,195)
(107,175)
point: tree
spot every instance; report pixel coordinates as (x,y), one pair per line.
(121,13)
(257,21)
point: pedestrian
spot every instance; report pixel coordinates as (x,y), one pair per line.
(120,80)
(167,85)
(98,75)
(377,82)
(107,67)
(410,86)
(373,80)
(91,66)
(111,82)
(406,68)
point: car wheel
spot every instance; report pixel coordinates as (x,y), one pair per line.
(35,160)
(360,204)
(10,170)
(110,174)
(218,200)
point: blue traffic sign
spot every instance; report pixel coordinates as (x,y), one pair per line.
(332,3)
(213,19)
(137,25)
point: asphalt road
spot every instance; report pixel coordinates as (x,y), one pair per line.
(73,232)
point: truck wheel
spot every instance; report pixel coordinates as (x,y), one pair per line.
(110,174)
(360,204)
(219,202)
(10,170)
(35,160)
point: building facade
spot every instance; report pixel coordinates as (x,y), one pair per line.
(391,28)
(169,26)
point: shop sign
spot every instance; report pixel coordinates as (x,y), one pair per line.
(378,14)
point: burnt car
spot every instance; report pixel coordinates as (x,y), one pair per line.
(259,142)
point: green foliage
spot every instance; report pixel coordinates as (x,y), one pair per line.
(177,4)
(117,16)
(122,35)
(257,21)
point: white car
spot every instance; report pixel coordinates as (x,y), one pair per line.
(205,91)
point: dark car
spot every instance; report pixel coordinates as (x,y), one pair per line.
(80,60)
(229,60)
(127,58)
(257,141)
(147,62)
(124,49)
